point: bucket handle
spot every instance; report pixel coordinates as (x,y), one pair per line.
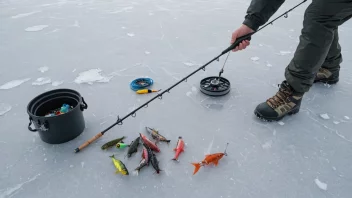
(84,105)
(43,127)
(29,125)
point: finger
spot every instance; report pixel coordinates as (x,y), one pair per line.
(240,46)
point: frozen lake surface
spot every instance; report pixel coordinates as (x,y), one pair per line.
(98,47)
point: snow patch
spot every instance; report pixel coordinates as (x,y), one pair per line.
(42,81)
(320,184)
(191,64)
(283,53)
(4,108)
(13,83)
(325,116)
(90,76)
(255,58)
(189,94)
(347,118)
(36,28)
(24,15)
(82,164)
(57,83)
(336,122)
(71,166)
(281,123)
(43,69)
(267,144)
(130,34)
(194,89)
(268,64)
(45,159)
(147,53)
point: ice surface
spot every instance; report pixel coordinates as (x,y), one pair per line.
(321,184)
(14,83)
(42,81)
(91,76)
(347,118)
(4,108)
(265,159)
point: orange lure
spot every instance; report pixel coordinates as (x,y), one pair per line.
(211,158)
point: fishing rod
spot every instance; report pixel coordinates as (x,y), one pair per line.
(159,96)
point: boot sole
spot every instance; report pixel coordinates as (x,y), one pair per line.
(330,82)
(292,112)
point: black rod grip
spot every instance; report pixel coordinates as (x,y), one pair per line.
(237,42)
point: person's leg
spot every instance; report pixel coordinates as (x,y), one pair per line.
(321,19)
(329,72)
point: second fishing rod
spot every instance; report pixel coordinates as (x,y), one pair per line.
(159,95)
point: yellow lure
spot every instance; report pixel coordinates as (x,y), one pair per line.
(120,166)
(145,91)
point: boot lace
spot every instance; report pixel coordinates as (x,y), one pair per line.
(280,97)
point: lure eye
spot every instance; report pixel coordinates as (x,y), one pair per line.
(118,145)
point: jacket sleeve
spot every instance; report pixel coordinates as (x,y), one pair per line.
(259,12)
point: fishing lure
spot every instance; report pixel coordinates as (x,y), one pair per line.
(211,158)
(120,166)
(155,135)
(133,147)
(149,143)
(112,143)
(179,148)
(145,91)
(145,160)
(142,164)
(121,145)
(155,163)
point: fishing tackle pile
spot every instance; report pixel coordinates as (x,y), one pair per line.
(159,95)
(65,108)
(148,151)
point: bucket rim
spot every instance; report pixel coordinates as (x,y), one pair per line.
(55,116)
(31,102)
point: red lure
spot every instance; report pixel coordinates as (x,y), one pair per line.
(179,148)
(149,143)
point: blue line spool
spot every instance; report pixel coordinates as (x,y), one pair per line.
(141,83)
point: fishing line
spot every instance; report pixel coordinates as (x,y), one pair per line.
(159,95)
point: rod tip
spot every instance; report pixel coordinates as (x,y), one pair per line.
(77,150)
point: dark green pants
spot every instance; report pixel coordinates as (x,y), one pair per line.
(319,42)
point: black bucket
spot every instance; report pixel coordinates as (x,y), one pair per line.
(59,128)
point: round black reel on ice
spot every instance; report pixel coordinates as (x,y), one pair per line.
(215,86)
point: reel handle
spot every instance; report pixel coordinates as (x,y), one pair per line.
(237,42)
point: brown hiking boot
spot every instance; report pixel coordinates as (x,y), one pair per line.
(285,102)
(326,76)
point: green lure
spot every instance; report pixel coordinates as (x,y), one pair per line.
(121,145)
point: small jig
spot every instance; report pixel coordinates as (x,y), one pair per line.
(145,91)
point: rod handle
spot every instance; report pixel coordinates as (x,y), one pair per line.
(88,142)
(237,42)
